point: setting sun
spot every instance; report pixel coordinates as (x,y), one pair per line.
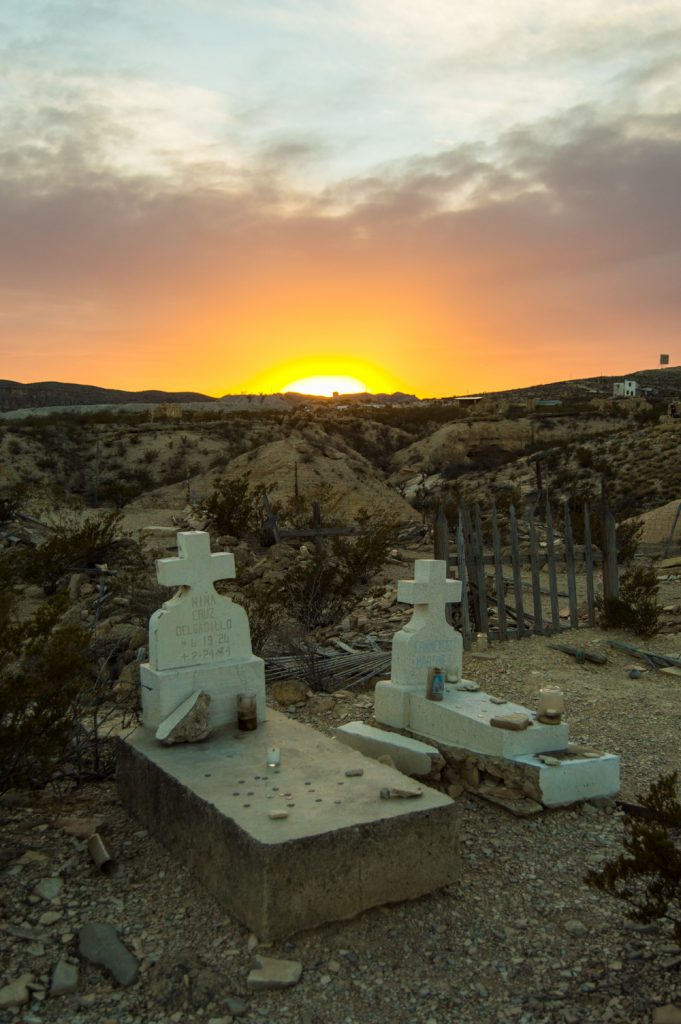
(326,385)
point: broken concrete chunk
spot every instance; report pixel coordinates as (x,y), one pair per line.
(270,973)
(514,721)
(64,979)
(99,943)
(189,723)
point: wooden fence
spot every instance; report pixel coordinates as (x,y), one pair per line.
(536,551)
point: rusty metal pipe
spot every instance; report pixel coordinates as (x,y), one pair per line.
(100,855)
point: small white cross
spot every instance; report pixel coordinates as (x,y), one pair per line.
(195,566)
(430,591)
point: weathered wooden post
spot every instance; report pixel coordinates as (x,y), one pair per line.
(611,583)
(441,548)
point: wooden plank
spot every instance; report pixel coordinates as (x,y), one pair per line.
(317,525)
(551,560)
(611,585)
(517,583)
(463,576)
(271,523)
(441,549)
(324,531)
(471,569)
(480,567)
(500,586)
(536,581)
(526,559)
(668,545)
(570,566)
(589,568)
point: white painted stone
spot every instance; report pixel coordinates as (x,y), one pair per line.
(189,723)
(575,779)
(408,755)
(199,639)
(427,640)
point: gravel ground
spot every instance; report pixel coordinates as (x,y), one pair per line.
(520,938)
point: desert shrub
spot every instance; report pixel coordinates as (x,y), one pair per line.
(43,673)
(362,556)
(233,508)
(76,545)
(647,876)
(316,591)
(636,609)
(585,457)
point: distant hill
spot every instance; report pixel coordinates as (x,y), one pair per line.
(14,395)
(659,383)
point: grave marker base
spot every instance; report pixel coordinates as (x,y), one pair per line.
(340,850)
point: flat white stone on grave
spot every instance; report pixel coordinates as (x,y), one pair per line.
(575,779)
(340,850)
(462,719)
(199,639)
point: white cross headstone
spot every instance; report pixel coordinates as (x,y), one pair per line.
(199,639)
(197,625)
(427,640)
(195,566)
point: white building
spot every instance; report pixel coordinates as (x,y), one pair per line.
(625,389)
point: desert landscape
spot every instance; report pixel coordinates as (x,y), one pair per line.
(91,497)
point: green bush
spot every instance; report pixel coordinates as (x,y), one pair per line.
(233,508)
(43,673)
(647,876)
(636,609)
(75,545)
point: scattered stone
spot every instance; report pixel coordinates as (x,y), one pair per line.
(270,973)
(16,993)
(50,917)
(576,928)
(353,773)
(546,759)
(669,1014)
(49,888)
(454,790)
(80,828)
(190,723)
(99,943)
(498,700)
(236,1006)
(64,979)
(289,691)
(515,721)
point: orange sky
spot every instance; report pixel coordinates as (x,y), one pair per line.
(418,227)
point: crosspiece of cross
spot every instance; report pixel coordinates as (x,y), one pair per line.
(195,566)
(430,590)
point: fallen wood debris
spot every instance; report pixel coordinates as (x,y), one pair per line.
(656,661)
(580,654)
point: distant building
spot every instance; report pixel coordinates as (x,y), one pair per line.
(625,389)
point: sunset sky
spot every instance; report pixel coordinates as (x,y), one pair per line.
(436,197)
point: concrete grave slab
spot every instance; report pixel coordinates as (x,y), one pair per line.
(462,719)
(339,850)
(574,779)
